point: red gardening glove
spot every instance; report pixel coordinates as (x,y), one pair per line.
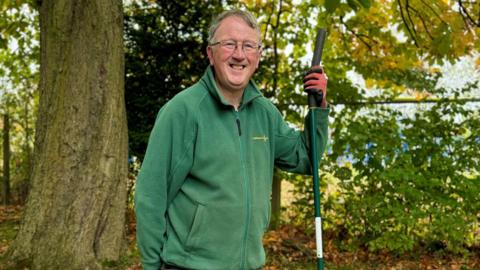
(316,82)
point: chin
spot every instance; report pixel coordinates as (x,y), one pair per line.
(237,85)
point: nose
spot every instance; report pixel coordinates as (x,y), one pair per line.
(238,51)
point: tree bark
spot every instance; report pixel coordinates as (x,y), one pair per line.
(75,212)
(276,200)
(6,159)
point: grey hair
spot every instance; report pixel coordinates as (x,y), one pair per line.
(244,15)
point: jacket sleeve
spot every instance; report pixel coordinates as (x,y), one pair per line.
(167,161)
(292,147)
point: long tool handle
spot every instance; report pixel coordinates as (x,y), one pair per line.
(312,101)
(316,192)
(313,96)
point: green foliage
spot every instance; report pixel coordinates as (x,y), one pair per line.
(391,180)
(165,52)
(19,76)
(409,180)
(331,5)
(397,182)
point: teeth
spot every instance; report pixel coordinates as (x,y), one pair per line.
(237,67)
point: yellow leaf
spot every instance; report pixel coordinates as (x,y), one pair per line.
(369,83)
(434,70)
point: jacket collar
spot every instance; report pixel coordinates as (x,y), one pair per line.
(249,94)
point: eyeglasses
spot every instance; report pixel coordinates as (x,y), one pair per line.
(229,45)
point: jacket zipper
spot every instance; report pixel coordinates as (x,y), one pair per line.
(246,192)
(238,127)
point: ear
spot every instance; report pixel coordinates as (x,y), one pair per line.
(259,57)
(210,55)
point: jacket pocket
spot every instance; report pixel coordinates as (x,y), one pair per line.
(195,229)
(258,226)
(216,237)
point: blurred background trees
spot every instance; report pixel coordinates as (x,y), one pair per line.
(165,43)
(19,56)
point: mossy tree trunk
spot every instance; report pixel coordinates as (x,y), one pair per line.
(75,212)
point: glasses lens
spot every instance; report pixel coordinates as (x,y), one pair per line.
(229,44)
(250,47)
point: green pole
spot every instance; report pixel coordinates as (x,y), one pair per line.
(316,189)
(314,98)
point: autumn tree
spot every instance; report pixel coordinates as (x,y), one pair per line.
(395,47)
(391,176)
(74,216)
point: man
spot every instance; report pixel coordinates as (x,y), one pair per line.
(203,193)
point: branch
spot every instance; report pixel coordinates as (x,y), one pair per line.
(344,38)
(406,24)
(275,51)
(462,8)
(359,36)
(406,101)
(422,20)
(407,8)
(275,48)
(267,23)
(434,12)
(465,21)
(401,101)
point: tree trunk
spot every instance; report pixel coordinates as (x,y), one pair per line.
(276,199)
(276,209)
(24,185)
(6,159)
(75,212)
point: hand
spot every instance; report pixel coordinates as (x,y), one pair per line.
(316,81)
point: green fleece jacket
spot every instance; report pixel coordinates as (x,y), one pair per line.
(202,197)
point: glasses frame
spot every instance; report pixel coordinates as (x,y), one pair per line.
(223,44)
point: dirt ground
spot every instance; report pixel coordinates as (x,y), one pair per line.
(287,248)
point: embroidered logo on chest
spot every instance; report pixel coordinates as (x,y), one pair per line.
(260,138)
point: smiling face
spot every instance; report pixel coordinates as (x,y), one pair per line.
(233,69)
